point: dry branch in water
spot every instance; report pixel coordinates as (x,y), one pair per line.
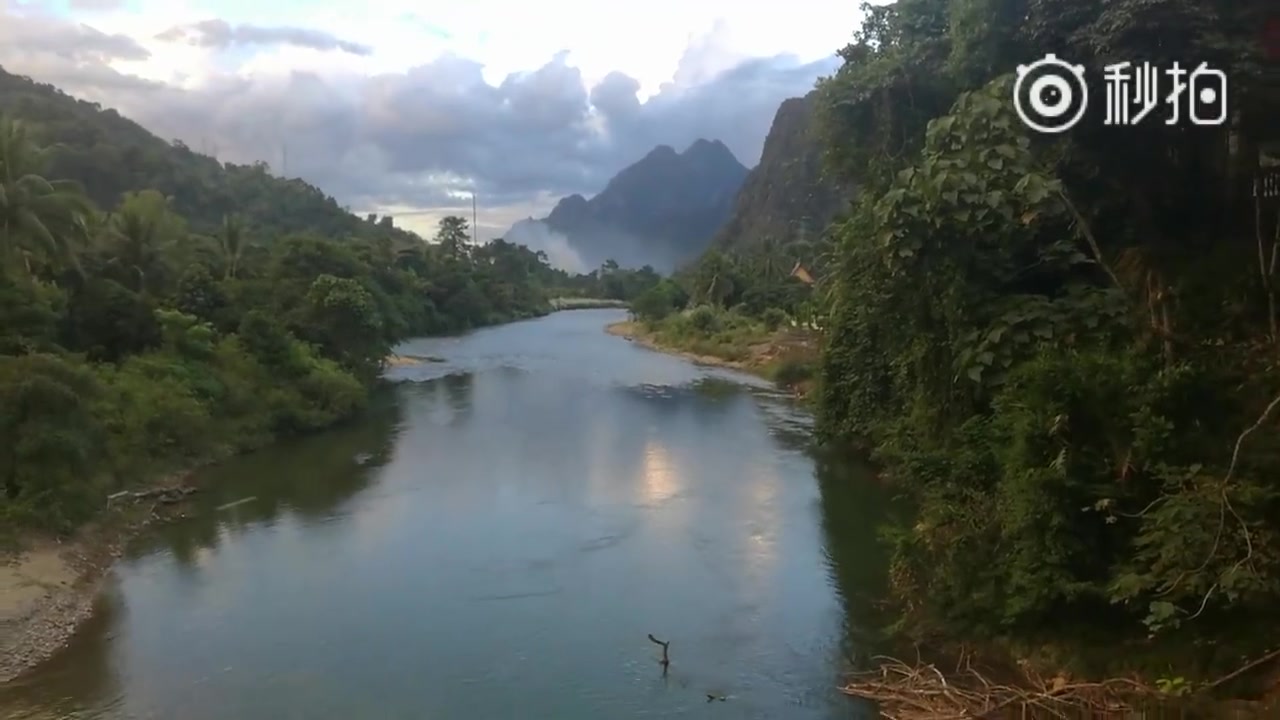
(665,661)
(923,692)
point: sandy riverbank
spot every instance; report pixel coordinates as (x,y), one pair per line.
(634,332)
(762,358)
(394,360)
(48,587)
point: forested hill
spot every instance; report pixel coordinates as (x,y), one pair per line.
(109,155)
(788,196)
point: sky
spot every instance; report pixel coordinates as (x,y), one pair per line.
(408,107)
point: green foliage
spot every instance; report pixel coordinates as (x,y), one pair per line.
(48,440)
(131,345)
(1054,347)
(793,372)
(659,301)
(704,319)
(774,318)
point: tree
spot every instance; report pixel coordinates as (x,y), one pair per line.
(452,237)
(37,216)
(138,238)
(231,242)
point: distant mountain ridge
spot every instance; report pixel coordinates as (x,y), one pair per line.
(788,195)
(663,210)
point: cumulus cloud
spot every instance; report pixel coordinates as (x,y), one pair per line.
(420,138)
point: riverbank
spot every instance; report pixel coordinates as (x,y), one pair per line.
(396,360)
(577,303)
(785,356)
(48,584)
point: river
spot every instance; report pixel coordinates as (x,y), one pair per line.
(495,539)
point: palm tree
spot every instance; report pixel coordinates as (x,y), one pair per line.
(769,259)
(713,278)
(36,215)
(139,235)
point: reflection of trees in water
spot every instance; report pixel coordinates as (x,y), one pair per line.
(716,388)
(458,388)
(705,396)
(78,677)
(855,505)
(309,476)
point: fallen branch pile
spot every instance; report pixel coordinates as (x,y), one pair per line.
(923,692)
(163,495)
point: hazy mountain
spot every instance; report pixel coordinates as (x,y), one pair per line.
(787,194)
(661,211)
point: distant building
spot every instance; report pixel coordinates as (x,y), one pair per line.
(800,272)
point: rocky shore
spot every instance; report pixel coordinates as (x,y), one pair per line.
(48,587)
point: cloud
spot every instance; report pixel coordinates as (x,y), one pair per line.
(222,34)
(95,4)
(418,138)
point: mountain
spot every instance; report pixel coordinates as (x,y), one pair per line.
(109,155)
(787,194)
(661,211)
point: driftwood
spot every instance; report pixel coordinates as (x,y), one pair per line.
(162,495)
(236,503)
(923,692)
(665,662)
(165,496)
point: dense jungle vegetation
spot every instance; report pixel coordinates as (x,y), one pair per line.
(745,307)
(136,340)
(1062,349)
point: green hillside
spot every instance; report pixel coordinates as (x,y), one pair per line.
(109,155)
(158,309)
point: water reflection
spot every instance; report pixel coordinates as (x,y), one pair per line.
(855,506)
(659,476)
(305,479)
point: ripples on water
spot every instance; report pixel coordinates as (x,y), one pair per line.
(495,540)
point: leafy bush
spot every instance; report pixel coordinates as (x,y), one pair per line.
(773,318)
(793,372)
(705,319)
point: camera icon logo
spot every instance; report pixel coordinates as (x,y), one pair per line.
(1050,95)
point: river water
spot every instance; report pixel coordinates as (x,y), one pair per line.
(496,539)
